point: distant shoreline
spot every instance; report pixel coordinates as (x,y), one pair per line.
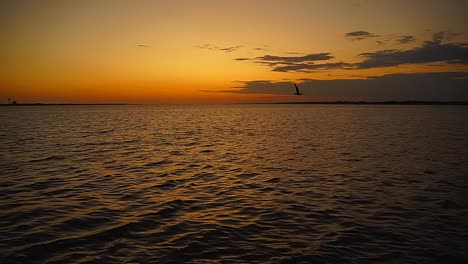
(282,103)
(62,104)
(384,103)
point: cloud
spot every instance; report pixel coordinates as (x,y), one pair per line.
(448,86)
(445,36)
(438,37)
(230,49)
(405,39)
(449,36)
(360,35)
(294,63)
(293,52)
(294,59)
(143,46)
(430,51)
(311,67)
(213,47)
(206,46)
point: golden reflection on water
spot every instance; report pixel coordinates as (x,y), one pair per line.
(253,182)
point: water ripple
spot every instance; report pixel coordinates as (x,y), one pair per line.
(233,184)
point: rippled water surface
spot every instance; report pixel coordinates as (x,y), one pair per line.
(234,184)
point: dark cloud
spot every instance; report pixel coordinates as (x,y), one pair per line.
(445,36)
(447,86)
(230,49)
(143,46)
(311,67)
(295,59)
(438,37)
(293,63)
(213,47)
(405,39)
(293,52)
(242,59)
(360,35)
(206,46)
(430,51)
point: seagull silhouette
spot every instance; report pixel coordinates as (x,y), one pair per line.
(297,90)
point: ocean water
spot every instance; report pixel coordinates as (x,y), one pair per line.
(234,184)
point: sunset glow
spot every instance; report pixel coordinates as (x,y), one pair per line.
(233,131)
(198,51)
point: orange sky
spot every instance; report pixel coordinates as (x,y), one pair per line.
(172,51)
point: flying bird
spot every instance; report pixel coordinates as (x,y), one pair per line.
(297,90)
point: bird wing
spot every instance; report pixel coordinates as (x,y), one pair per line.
(297,89)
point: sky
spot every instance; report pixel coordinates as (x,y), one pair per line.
(99,51)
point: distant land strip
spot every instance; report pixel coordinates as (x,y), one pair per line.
(47,104)
(383,103)
(295,103)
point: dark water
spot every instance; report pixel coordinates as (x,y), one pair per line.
(234,184)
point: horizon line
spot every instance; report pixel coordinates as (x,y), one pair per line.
(386,102)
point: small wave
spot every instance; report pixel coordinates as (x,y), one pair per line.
(296,192)
(247,175)
(105,131)
(171,208)
(49,158)
(304,259)
(158,163)
(273,180)
(449,204)
(205,176)
(176,153)
(170,184)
